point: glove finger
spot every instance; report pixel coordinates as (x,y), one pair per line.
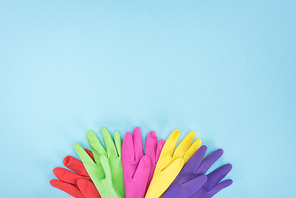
(87,188)
(209,161)
(153,164)
(159,149)
(66,175)
(109,144)
(220,186)
(167,176)
(194,162)
(142,172)
(128,149)
(217,175)
(75,165)
(85,158)
(192,186)
(106,168)
(140,178)
(66,187)
(170,144)
(171,172)
(184,145)
(95,145)
(138,144)
(109,190)
(151,146)
(193,148)
(118,143)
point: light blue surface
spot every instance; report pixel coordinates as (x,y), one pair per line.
(225,69)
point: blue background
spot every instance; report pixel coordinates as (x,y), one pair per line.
(225,69)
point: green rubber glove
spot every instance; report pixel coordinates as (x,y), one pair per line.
(106,170)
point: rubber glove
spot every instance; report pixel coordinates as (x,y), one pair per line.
(138,168)
(192,181)
(106,168)
(170,163)
(75,182)
(214,184)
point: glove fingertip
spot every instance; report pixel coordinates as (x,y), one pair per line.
(136,130)
(152,134)
(229,165)
(58,171)
(117,136)
(77,146)
(161,142)
(127,135)
(203,179)
(90,133)
(67,160)
(53,182)
(175,167)
(229,181)
(145,161)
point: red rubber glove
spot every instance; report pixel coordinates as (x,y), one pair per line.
(76,183)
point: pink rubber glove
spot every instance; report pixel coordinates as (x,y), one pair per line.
(138,168)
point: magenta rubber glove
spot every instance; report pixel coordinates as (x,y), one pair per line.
(138,168)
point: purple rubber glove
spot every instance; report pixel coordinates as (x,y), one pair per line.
(192,181)
(213,184)
(138,168)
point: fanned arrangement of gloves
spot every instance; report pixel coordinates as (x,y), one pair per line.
(124,170)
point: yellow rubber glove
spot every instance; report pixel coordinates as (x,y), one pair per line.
(170,163)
